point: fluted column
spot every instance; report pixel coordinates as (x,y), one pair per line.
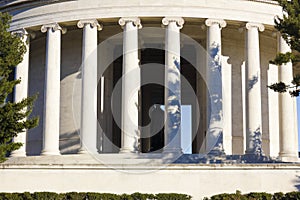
(88,125)
(214,137)
(21,89)
(172,85)
(130,86)
(52,89)
(253,89)
(287,149)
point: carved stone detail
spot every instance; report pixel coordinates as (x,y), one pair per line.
(135,20)
(179,21)
(93,23)
(54,27)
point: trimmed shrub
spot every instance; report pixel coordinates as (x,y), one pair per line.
(225,196)
(74,196)
(292,196)
(259,196)
(236,196)
(47,196)
(172,196)
(278,196)
(140,196)
(13,196)
(26,196)
(102,196)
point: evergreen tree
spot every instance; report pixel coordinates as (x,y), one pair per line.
(289,27)
(13,116)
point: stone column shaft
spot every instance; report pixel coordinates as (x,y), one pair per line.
(88,123)
(214,137)
(21,89)
(52,90)
(172,85)
(130,86)
(253,88)
(288,150)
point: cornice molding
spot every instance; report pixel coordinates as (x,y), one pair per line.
(71,11)
(8,5)
(11,5)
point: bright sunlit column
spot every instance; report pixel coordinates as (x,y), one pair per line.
(21,89)
(214,83)
(253,88)
(88,123)
(130,86)
(287,150)
(52,89)
(172,85)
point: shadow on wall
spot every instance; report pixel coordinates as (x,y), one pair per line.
(297,183)
(214,137)
(252,82)
(69,143)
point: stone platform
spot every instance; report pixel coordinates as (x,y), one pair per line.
(121,173)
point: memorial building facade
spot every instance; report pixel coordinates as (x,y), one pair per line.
(128,88)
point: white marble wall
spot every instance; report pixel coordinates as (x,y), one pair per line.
(197,181)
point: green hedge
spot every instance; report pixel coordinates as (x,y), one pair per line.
(91,196)
(256,196)
(139,196)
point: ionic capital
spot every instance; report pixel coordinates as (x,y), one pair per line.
(20,32)
(24,33)
(135,20)
(54,27)
(251,25)
(179,21)
(92,22)
(222,23)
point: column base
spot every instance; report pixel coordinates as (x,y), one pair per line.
(288,157)
(85,151)
(50,153)
(128,150)
(18,154)
(250,153)
(82,151)
(254,158)
(169,150)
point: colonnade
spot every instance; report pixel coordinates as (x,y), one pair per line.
(130,87)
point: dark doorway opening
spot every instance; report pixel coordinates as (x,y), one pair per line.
(152,96)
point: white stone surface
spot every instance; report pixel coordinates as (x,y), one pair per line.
(227,105)
(89,9)
(88,127)
(288,150)
(253,86)
(172,93)
(273,107)
(52,90)
(130,86)
(214,84)
(83,173)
